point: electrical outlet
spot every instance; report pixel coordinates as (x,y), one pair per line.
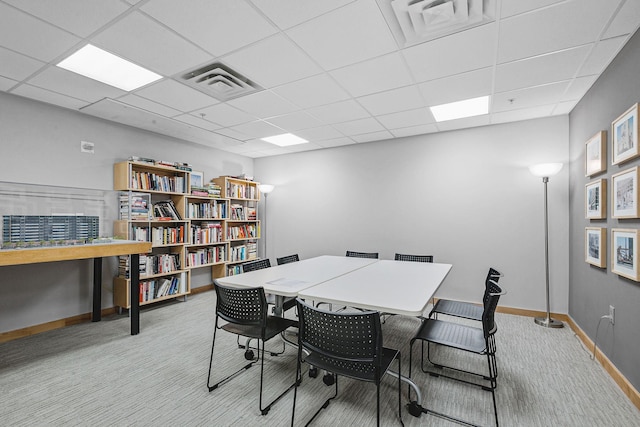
(612,314)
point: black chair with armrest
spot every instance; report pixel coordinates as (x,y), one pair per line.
(480,341)
(244,311)
(347,344)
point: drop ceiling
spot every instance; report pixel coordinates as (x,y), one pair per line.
(334,72)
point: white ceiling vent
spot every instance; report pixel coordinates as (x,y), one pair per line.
(220,81)
(416,21)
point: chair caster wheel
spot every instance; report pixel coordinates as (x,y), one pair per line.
(328,379)
(313,372)
(249,355)
(414,409)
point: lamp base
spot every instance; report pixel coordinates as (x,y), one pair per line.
(548,322)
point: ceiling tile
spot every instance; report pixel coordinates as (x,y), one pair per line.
(49,97)
(548,68)
(601,55)
(351,34)
(336,142)
(32,37)
(197,121)
(522,114)
(6,84)
(176,95)
(287,13)
(458,87)
(523,36)
(80,17)
(420,116)
(468,122)
(74,85)
(339,112)
(309,146)
(373,136)
(258,129)
(148,105)
(358,127)
(564,107)
(528,97)
(218,26)
(578,88)
(392,101)
(414,130)
(143,41)
(224,115)
(312,91)
(319,133)
(516,7)
(464,51)
(234,134)
(626,20)
(263,104)
(374,75)
(272,62)
(295,121)
(16,66)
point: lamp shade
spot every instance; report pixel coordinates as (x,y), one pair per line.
(545,169)
(266,188)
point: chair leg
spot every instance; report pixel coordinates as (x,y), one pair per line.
(266,409)
(229,377)
(399,387)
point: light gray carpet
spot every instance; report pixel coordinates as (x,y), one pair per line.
(97,374)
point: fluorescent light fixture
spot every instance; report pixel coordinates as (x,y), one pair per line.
(460,109)
(285,139)
(545,170)
(108,68)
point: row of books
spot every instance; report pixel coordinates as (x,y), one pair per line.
(241,191)
(152,289)
(206,210)
(210,190)
(206,256)
(159,264)
(135,208)
(243,231)
(177,165)
(206,232)
(165,209)
(151,181)
(243,252)
(167,235)
(242,213)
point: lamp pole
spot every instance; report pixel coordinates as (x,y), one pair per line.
(265,189)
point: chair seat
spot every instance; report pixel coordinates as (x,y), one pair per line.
(353,369)
(275,325)
(453,335)
(459,309)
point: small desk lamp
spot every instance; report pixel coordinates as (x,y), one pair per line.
(544,171)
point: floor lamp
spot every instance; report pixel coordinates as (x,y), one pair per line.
(544,171)
(265,189)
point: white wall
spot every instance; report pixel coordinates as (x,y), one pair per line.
(465,196)
(41,145)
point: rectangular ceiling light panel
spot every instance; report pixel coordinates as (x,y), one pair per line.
(461,109)
(285,140)
(108,68)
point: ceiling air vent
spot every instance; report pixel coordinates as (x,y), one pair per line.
(220,81)
(416,21)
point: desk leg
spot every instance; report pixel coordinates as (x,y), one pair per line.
(134,294)
(278,310)
(96,314)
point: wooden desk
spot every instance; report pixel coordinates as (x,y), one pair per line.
(95,251)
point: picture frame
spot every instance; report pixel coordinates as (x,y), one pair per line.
(624,136)
(595,246)
(624,249)
(197,179)
(595,151)
(595,199)
(624,193)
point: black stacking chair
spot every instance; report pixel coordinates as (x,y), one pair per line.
(287,259)
(362,254)
(271,299)
(471,339)
(415,258)
(466,310)
(348,344)
(245,312)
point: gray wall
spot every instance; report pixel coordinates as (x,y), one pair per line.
(41,145)
(592,289)
(467,197)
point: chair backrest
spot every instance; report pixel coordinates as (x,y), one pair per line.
(362,254)
(493,276)
(494,292)
(244,306)
(256,265)
(287,259)
(415,258)
(355,338)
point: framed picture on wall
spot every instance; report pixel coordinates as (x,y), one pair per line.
(197,179)
(595,246)
(624,193)
(595,199)
(595,149)
(624,261)
(624,136)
